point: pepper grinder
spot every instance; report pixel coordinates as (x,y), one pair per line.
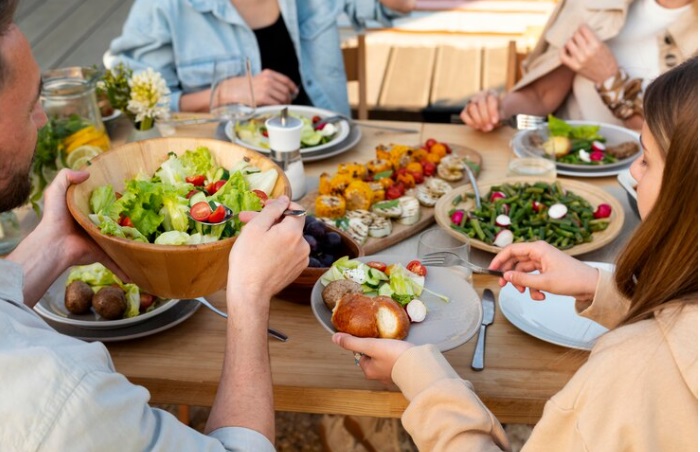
(284,133)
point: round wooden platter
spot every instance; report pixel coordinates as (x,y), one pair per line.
(399,231)
(591,193)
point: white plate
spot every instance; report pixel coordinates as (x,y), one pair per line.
(613,134)
(301,110)
(181,311)
(553,320)
(448,324)
(52,306)
(625,179)
(349,143)
(115,114)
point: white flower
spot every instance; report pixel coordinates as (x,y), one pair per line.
(149,96)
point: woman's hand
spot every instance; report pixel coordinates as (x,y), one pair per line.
(379,355)
(559,273)
(587,55)
(483,112)
(270,252)
(269,88)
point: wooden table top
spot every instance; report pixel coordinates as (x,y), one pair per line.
(310,374)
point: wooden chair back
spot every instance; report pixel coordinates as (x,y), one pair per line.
(355,60)
(514,65)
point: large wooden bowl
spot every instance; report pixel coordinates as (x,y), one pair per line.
(169,271)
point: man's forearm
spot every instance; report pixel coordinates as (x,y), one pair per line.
(244,397)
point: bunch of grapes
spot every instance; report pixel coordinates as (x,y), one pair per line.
(325,244)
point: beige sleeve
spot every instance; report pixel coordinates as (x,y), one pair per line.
(444,412)
(608,306)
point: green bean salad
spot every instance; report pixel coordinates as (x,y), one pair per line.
(525,212)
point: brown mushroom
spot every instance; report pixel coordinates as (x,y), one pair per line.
(78,297)
(110,303)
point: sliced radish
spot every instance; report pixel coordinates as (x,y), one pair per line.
(597,146)
(603,211)
(505,209)
(497,195)
(457,217)
(597,156)
(557,211)
(537,206)
(503,238)
(503,221)
(416,310)
(584,156)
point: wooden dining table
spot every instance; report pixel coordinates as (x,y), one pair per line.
(310,374)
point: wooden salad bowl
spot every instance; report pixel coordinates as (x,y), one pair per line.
(168,271)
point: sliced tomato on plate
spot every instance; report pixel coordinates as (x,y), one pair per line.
(260,194)
(416,267)
(381,266)
(201,211)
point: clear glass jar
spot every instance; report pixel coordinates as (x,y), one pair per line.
(10,232)
(69,100)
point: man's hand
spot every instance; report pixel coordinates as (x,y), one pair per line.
(587,55)
(57,242)
(269,88)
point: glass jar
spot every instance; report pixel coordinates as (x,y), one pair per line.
(10,232)
(69,100)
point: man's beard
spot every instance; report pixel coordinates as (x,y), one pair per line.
(16,192)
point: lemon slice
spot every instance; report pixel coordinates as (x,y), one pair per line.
(81,155)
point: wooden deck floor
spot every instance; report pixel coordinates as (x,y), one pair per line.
(425,68)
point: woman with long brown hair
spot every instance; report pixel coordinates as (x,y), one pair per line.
(639,388)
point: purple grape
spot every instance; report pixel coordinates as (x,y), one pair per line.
(326,259)
(315,263)
(308,220)
(313,243)
(316,229)
(333,241)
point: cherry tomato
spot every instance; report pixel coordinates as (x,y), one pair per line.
(429,168)
(197,180)
(260,194)
(418,177)
(145,301)
(315,119)
(126,222)
(214,186)
(191,194)
(430,142)
(264,132)
(381,266)
(447,148)
(417,268)
(395,191)
(117,195)
(201,211)
(217,215)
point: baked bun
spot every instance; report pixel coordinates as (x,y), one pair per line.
(364,316)
(335,290)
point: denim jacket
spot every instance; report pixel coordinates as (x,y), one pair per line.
(183,38)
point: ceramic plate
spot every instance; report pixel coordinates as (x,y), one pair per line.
(613,134)
(52,307)
(344,146)
(448,324)
(591,193)
(115,114)
(553,320)
(300,110)
(181,311)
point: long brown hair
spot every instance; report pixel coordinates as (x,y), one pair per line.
(660,263)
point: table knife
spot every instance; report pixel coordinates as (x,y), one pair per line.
(489,306)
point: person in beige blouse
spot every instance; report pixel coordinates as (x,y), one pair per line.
(639,388)
(593,61)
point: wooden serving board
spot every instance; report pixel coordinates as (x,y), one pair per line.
(399,231)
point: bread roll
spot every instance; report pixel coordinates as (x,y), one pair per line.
(355,314)
(364,316)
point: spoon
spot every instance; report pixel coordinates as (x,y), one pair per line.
(228,213)
(274,333)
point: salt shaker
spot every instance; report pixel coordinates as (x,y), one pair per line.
(284,133)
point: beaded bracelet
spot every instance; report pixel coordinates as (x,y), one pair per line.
(622,95)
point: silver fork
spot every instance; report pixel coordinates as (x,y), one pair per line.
(447,259)
(523,121)
(274,333)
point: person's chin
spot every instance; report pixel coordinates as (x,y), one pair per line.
(16,193)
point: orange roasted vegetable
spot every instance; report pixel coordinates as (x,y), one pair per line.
(324,184)
(378,166)
(339,183)
(354,170)
(329,206)
(358,195)
(382,152)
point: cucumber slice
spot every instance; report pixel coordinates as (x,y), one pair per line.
(197,197)
(221,174)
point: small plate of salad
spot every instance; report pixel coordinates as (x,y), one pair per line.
(453,307)
(580,147)
(315,135)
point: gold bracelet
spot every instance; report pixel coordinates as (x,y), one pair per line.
(622,95)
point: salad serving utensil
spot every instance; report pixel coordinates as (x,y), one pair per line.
(447,259)
(273,333)
(488,303)
(523,121)
(228,213)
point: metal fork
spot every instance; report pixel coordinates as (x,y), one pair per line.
(447,259)
(274,333)
(523,122)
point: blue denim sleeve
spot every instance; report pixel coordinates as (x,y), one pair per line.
(360,11)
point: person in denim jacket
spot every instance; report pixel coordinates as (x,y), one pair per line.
(183,39)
